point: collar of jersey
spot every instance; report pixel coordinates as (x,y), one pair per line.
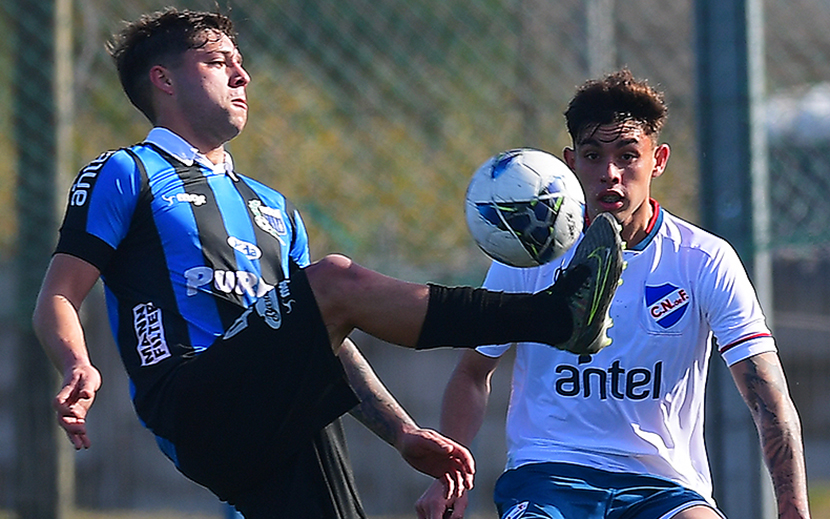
(173,144)
(652,228)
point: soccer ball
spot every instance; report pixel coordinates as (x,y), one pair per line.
(524,207)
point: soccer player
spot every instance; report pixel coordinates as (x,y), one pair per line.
(620,433)
(235,343)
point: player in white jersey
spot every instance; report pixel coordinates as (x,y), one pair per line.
(620,433)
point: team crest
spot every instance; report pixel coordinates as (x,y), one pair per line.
(268,219)
(667,304)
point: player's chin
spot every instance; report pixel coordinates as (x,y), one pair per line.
(237,119)
(238,124)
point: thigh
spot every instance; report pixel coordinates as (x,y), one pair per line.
(646,497)
(567,491)
(697,512)
(534,491)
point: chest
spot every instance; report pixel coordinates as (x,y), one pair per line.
(214,230)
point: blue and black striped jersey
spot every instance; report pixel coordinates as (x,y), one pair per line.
(182,251)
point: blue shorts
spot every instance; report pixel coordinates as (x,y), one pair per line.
(568,491)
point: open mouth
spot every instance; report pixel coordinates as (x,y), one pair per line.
(610,198)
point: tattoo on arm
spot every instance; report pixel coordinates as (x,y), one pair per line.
(764,388)
(378,410)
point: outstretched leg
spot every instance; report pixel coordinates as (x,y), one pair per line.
(351,296)
(571,314)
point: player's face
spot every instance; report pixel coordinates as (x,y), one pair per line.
(615,165)
(210,91)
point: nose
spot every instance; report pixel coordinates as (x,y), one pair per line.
(611,173)
(239,76)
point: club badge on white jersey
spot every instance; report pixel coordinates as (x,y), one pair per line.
(667,304)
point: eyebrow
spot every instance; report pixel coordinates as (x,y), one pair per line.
(619,143)
(228,53)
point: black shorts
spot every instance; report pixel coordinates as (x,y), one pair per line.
(316,483)
(257,398)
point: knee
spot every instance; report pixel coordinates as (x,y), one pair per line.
(333,267)
(334,281)
(331,277)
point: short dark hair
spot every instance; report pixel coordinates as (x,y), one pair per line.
(160,38)
(616,98)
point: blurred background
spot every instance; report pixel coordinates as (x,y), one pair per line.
(371,116)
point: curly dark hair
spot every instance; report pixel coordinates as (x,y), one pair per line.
(161,38)
(616,98)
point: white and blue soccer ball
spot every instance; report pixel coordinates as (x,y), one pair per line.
(524,207)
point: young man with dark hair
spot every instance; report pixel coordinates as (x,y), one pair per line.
(620,433)
(235,343)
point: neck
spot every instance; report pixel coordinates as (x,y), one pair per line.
(211,146)
(216,155)
(215,152)
(637,227)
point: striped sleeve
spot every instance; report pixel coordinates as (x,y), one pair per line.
(101,202)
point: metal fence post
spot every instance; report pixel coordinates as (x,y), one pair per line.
(733,173)
(39,467)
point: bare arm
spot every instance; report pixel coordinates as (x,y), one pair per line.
(466,396)
(57,325)
(462,413)
(425,450)
(761,382)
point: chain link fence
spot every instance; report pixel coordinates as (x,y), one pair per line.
(371,116)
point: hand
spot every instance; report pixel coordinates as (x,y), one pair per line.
(440,457)
(434,504)
(73,402)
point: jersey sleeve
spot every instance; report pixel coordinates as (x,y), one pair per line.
(101,203)
(299,244)
(732,308)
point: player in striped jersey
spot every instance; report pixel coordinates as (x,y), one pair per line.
(234,341)
(620,433)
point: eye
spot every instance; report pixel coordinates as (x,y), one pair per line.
(217,60)
(629,156)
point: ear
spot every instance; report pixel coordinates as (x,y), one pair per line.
(569,155)
(160,78)
(661,158)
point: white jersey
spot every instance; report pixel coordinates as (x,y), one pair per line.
(637,405)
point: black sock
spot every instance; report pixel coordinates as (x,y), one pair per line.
(465,317)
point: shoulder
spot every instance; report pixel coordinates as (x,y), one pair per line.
(262,190)
(118,162)
(707,259)
(110,168)
(110,160)
(270,196)
(689,238)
